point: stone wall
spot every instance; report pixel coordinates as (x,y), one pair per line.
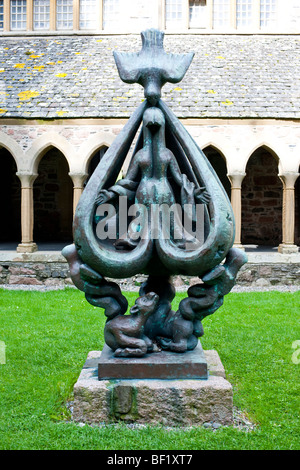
(50,270)
(30,273)
(267,275)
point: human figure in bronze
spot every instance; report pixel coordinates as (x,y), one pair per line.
(152,171)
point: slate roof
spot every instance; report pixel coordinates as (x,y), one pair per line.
(76,76)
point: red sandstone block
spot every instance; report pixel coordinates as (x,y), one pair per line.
(28,281)
(17,270)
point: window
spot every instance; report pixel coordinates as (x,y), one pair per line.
(125,16)
(221,13)
(1,15)
(18,16)
(267,13)
(88,14)
(41,14)
(198,14)
(244,13)
(174,12)
(64,14)
(111,13)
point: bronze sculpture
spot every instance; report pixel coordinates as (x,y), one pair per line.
(190,232)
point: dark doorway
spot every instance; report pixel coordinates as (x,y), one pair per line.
(10,194)
(94,161)
(53,199)
(218,163)
(262,200)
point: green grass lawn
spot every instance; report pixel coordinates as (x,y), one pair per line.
(49,334)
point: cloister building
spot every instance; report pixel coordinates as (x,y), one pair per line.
(62,103)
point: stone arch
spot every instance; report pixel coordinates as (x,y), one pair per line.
(262,199)
(219,164)
(12,147)
(273,147)
(90,147)
(10,197)
(95,159)
(42,145)
(53,197)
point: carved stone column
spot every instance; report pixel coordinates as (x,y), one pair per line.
(78,182)
(27,244)
(236,202)
(288,213)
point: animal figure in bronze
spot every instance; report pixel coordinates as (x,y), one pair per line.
(124,334)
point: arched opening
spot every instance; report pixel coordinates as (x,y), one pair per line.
(53,199)
(262,200)
(94,161)
(297,211)
(217,161)
(10,196)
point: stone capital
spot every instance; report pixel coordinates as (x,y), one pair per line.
(78,179)
(27,179)
(289,179)
(236,179)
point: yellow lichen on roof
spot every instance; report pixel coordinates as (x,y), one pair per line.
(227,102)
(38,67)
(27,94)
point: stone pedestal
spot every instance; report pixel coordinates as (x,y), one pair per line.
(161,365)
(167,402)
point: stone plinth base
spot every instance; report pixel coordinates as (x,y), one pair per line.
(161,365)
(287,249)
(180,402)
(27,248)
(238,245)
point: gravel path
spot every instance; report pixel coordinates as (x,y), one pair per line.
(236,289)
